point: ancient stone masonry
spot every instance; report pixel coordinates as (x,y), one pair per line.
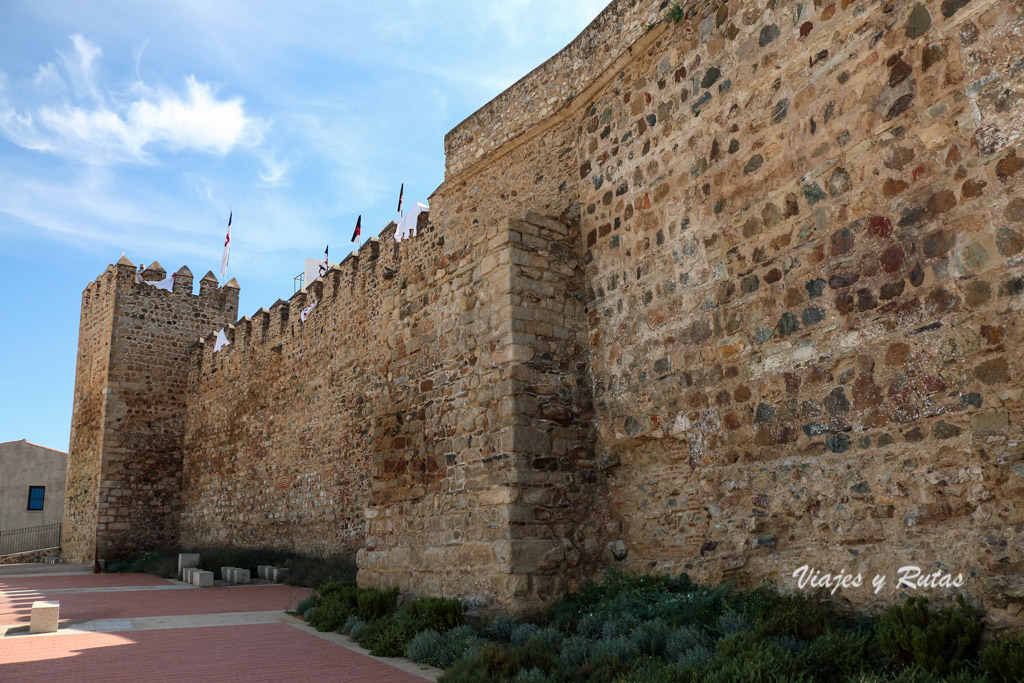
(124,469)
(725,295)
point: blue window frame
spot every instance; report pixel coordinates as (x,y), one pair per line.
(36,494)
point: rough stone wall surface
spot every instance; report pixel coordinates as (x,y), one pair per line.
(803,227)
(124,476)
(727,296)
(31,557)
(87,421)
(278,446)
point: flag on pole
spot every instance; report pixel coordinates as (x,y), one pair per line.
(359,228)
(324,266)
(401,192)
(227,250)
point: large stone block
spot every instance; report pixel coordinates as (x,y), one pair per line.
(45,616)
(202,579)
(187,560)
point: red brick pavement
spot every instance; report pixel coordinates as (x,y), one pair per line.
(254,654)
(42,583)
(16,608)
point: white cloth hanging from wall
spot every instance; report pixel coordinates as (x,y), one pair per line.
(167,284)
(407,226)
(222,341)
(306,311)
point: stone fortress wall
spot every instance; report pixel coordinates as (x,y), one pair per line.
(727,295)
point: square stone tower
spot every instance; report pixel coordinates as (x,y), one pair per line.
(125,460)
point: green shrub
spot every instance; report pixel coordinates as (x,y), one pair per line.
(309,614)
(332,612)
(374,604)
(547,636)
(529,676)
(655,671)
(522,633)
(574,652)
(345,588)
(355,628)
(730,623)
(797,615)
(425,646)
(746,657)
(621,648)
(619,626)
(688,644)
(937,641)
(440,614)
(650,637)
(590,625)
(461,641)
(834,656)
(502,627)
(387,636)
(491,664)
(443,649)
(1003,659)
(305,603)
(351,624)
(117,567)
(494,663)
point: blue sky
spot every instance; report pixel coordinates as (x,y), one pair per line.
(134,125)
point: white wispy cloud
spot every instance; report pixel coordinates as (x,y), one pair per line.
(274,168)
(81,66)
(142,119)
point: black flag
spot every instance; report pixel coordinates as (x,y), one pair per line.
(359,228)
(323,266)
(400,193)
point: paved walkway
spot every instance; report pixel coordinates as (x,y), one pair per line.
(138,627)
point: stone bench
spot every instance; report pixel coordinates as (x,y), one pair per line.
(45,616)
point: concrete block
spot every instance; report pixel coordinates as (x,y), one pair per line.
(225,573)
(240,576)
(187,560)
(45,616)
(186,574)
(278,574)
(263,571)
(202,579)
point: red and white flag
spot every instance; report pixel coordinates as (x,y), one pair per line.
(227,250)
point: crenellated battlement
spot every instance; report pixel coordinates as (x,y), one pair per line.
(356,285)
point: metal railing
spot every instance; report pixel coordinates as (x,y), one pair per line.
(29,539)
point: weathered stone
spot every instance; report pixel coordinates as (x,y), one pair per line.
(919,21)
